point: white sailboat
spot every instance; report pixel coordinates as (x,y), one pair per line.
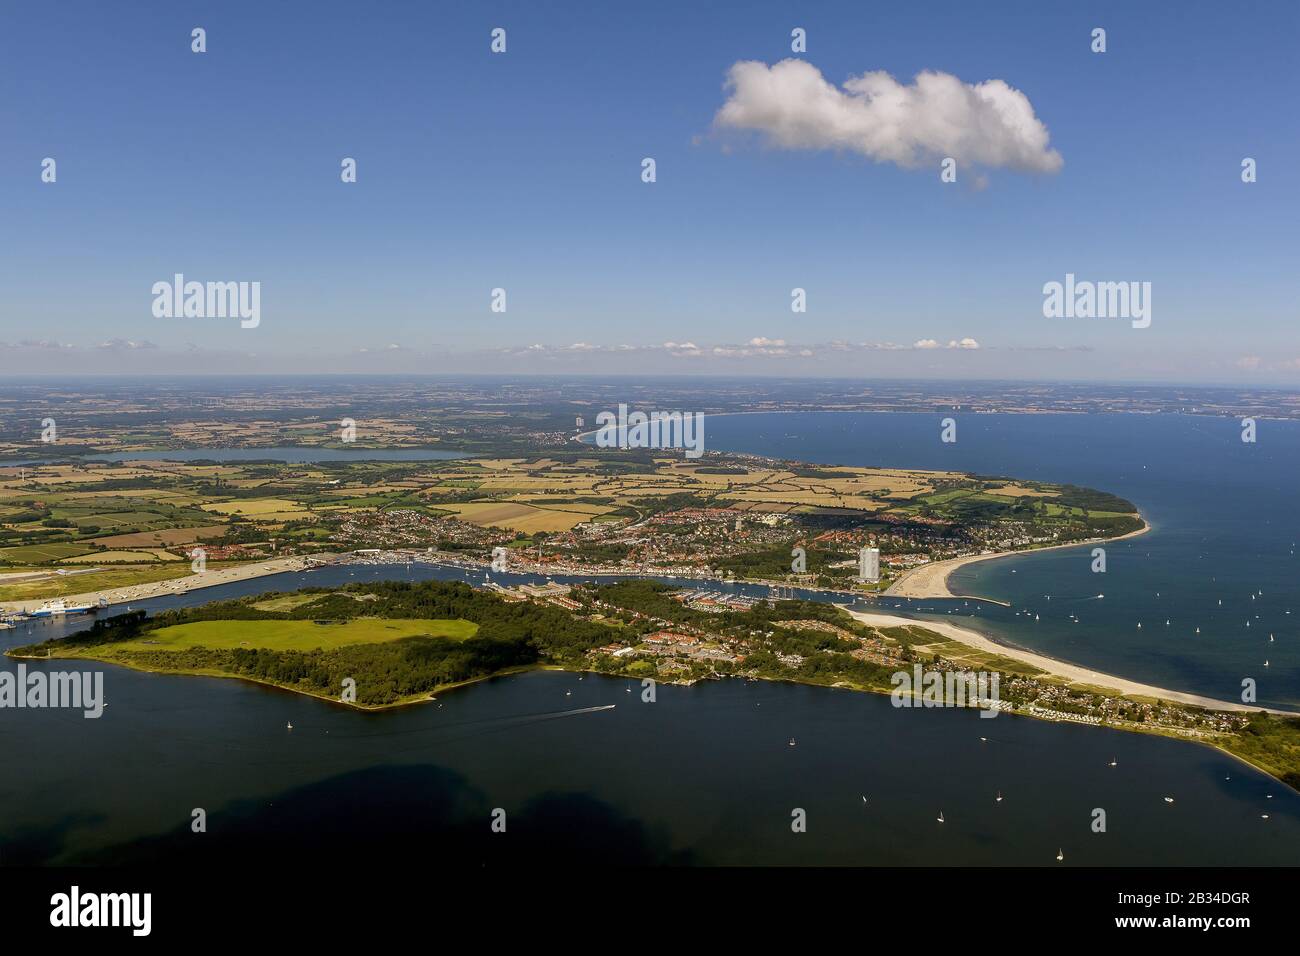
(941,820)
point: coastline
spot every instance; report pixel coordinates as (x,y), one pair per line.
(1073,673)
(931,580)
(970,638)
(1070,673)
(915,583)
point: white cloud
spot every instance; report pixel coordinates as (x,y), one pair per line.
(125,345)
(756,347)
(966,343)
(38,344)
(987,124)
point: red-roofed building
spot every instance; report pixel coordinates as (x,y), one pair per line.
(670,637)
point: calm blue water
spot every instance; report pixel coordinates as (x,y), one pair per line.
(703,775)
(706,774)
(1225,516)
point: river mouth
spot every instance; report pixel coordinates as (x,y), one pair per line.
(1204,600)
(706,775)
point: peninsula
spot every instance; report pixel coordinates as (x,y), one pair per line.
(386,644)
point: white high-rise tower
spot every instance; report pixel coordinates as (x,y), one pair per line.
(869,565)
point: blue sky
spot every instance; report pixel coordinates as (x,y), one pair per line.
(522,171)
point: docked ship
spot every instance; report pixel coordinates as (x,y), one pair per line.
(60,608)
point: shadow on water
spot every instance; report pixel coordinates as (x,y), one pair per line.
(34,846)
(382,814)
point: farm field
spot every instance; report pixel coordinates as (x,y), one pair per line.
(518,516)
(264,508)
(135,516)
(547,483)
(41,553)
(122,557)
(163,539)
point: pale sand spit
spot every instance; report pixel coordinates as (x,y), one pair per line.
(931,580)
(1071,672)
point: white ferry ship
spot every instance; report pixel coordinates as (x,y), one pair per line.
(59,608)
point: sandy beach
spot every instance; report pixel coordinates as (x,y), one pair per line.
(194,582)
(1071,672)
(931,580)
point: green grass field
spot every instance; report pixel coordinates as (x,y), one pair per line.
(294,635)
(943,497)
(286,602)
(41,553)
